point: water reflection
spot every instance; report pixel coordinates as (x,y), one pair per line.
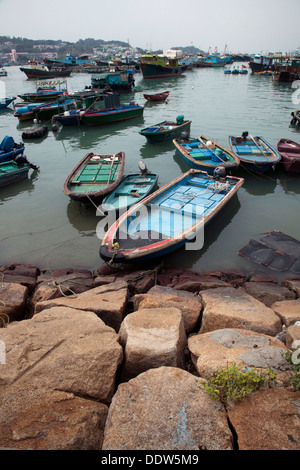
(16,189)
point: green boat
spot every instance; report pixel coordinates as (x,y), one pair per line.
(133,188)
(108,116)
(94,177)
(10,173)
(166,130)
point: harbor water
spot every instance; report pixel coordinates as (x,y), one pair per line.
(40,225)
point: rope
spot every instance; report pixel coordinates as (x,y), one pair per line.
(2,320)
(59,287)
(115,247)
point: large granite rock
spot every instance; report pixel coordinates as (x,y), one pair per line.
(288,311)
(245,348)
(62,349)
(267,420)
(161,296)
(13,299)
(107,301)
(152,337)
(234,308)
(165,409)
(268,293)
(24,274)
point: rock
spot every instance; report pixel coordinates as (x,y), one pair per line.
(160,297)
(202,283)
(59,283)
(152,337)
(40,419)
(234,308)
(107,301)
(294,285)
(268,293)
(216,349)
(62,349)
(267,420)
(165,409)
(13,299)
(288,311)
(23,274)
(292,338)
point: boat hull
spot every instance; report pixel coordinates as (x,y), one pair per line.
(168,218)
(94,177)
(110,116)
(39,74)
(290,155)
(159,71)
(10,173)
(259,157)
(157,96)
(163,131)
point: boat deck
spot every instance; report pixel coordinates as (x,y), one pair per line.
(98,173)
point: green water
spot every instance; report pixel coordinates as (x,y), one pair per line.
(41,226)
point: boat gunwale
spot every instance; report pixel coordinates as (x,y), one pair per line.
(273,158)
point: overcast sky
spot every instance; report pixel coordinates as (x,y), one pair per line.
(244,25)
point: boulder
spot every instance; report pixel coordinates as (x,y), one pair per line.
(165,409)
(292,338)
(152,337)
(268,293)
(288,311)
(160,297)
(41,419)
(24,274)
(107,301)
(234,308)
(13,299)
(216,349)
(62,349)
(267,420)
(59,283)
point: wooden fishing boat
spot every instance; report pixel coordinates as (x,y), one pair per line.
(10,173)
(108,116)
(94,177)
(132,189)
(160,66)
(206,155)
(166,219)
(166,130)
(38,71)
(290,155)
(4,102)
(43,111)
(254,152)
(46,91)
(157,96)
(9,149)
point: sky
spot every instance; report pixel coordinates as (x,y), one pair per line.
(249,26)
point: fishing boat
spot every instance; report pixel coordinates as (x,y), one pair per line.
(11,173)
(9,149)
(93,117)
(94,177)
(161,65)
(4,102)
(46,91)
(38,71)
(43,111)
(168,218)
(121,81)
(204,154)
(290,155)
(95,102)
(166,130)
(254,152)
(132,189)
(3,72)
(157,96)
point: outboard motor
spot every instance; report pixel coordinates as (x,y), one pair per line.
(142,167)
(245,135)
(185,136)
(219,172)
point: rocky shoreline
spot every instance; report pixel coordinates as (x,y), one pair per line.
(116,359)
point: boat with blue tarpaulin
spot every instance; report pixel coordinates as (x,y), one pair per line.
(166,130)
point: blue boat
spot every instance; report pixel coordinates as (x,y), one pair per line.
(4,102)
(133,188)
(204,154)
(10,173)
(255,153)
(9,149)
(168,218)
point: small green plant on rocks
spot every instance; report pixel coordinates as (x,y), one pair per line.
(230,384)
(293,358)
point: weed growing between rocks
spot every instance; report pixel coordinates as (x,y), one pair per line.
(229,384)
(293,358)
